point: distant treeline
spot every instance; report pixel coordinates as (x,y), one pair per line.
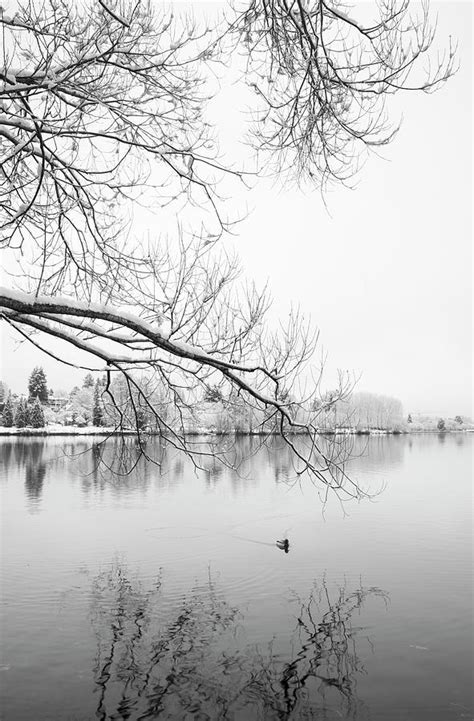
(90,406)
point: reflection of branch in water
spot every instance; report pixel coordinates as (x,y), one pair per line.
(327,647)
(146,653)
(119,616)
(157,659)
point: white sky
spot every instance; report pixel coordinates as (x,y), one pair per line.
(387,276)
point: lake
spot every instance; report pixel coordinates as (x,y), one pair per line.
(162,593)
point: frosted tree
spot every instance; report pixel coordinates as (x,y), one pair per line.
(8,412)
(21,415)
(36,415)
(88,381)
(97,410)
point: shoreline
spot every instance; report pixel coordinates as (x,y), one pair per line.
(91,431)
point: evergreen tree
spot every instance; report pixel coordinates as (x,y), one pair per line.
(21,415)
(409,420)
(8,412)
(37,385)
(97,412)
(441,425)
(88,381)
(36,415)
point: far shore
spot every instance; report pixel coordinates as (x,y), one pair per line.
(99,431)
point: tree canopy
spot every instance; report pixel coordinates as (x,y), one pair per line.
(104,116)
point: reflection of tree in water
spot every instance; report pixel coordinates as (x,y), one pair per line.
(117,464)
(31,455)
(159,658)
(34,479)
(213,471)
(7,450)
(106,464)
(379,451)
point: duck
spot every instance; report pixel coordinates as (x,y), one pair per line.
(284,545)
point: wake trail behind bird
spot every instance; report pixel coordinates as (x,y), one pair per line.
(220,533)
(250,540)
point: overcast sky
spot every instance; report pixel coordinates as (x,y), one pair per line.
(386,274)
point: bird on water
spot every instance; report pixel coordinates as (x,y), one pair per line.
(284,545)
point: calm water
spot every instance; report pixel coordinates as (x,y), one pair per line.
(163,595)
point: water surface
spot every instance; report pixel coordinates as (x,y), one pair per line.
(162,594)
